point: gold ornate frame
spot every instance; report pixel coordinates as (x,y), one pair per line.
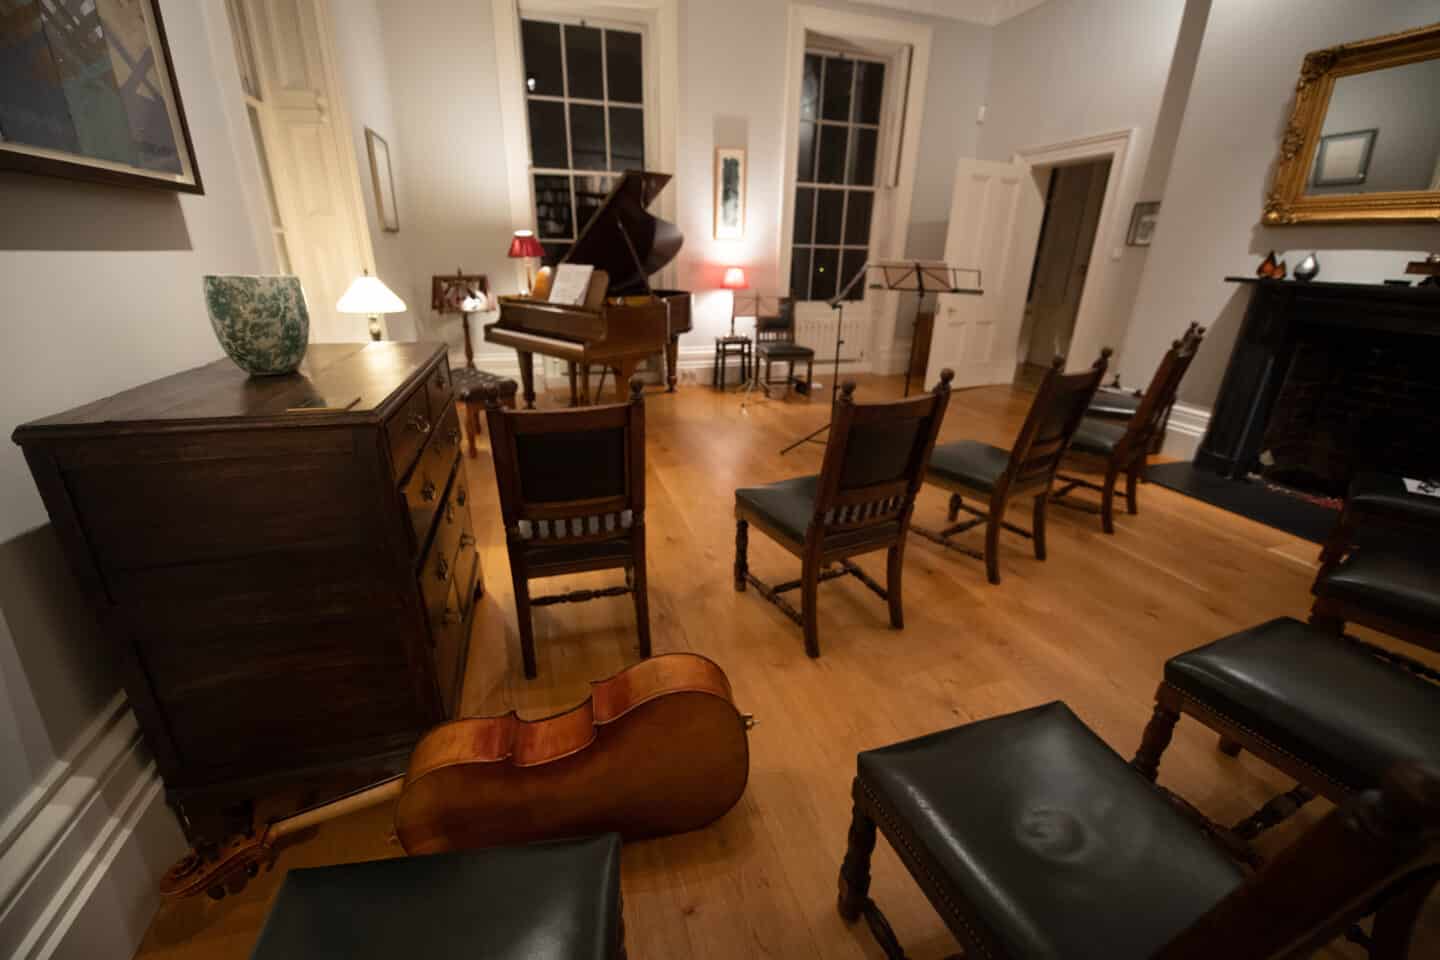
(1287,203)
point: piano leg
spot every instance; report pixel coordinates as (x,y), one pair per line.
(672,359)
(623,373)
(527,376)
(585,384)
(574,397)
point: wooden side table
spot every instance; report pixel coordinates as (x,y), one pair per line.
(732,345)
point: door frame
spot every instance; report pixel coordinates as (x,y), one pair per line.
(1094,327)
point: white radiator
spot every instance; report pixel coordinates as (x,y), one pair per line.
(815,328)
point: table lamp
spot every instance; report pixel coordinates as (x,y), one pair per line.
(367,296)
(523,244)
(733,280)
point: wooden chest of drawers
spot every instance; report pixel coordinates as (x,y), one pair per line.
(287,563)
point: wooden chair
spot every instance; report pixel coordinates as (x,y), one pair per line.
(1125,447)
(572,496)
(984,472)
(860,502)
(775,340)
(1032,838)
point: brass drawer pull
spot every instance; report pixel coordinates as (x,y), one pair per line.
(466,541)
(460,496)
(450,512)
(442,570)
(454,436)
(420,422)
(427,492)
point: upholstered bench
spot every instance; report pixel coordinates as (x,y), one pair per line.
(546,901)
(470,384)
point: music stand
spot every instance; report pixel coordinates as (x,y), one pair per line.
(917,276)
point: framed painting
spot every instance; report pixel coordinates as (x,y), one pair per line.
(88,92)
(1142,224)
(729,194)
(383,180)
(449,291)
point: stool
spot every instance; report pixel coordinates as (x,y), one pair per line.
(726,347)
(469,383)
(545,901)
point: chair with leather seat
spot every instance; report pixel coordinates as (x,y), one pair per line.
(545,901)
(860,502)
(1331,712)
(1032,838)
(1381,566)
(1117,448)
(996,476)
(775,340)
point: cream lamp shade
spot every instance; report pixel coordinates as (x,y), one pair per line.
(367,296)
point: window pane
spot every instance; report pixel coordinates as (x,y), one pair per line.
(806,170)
(827,218)
(541,42)
(547,135)
(831,167)
(857,217)
(800,273)
(862,157)
(587,129)
(810,88)
(553,253)
(627,138)
(869,90)
(552,207)
(582,63)
(804,214)
(836,105)
(590,194)
(850,265)
(622,53)
(823,270)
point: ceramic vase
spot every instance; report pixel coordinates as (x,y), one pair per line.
(1306,269)
(261,322)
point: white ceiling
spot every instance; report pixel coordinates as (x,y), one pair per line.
(988,12)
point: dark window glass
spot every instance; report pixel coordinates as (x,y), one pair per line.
(850,266)
(804,213)
(862,157)
(587,129)
(810,88)
(627,138)
(800,273)
(590,194)
(830,208)
(541,43)
(857,217)
(869,91)
(831,168)
(583,66)
(552,207)
(836,102)
(622,54)
(806,170)
(547,134)
(823,271)
(553,253)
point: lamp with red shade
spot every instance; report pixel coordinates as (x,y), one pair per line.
(734,279)
(524,245)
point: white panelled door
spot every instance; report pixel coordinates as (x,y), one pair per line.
(976,335)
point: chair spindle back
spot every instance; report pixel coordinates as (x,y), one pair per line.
(1054,416)
(1159,397)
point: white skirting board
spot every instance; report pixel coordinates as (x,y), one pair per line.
(81,857)
(1185,431)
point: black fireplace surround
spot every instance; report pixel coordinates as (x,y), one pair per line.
(1326,379)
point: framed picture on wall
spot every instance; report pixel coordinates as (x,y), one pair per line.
(88,92)
(383,180)
(1142,224)
(1343,159)
(729,193)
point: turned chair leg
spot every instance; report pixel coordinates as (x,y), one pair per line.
(1037,526)
(1132,482)
(955,501)
(472,424)
(1275,811)
(894,567)
(992,542)
(855,869)
(1154,741)
(809,606)
(522,617)
(1231,748)
(742,561)
(1107,500)
(641,593)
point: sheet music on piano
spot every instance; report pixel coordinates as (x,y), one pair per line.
(571,283)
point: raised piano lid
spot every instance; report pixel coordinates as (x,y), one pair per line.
(624,239)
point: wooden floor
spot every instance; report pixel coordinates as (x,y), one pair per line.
(1091,626)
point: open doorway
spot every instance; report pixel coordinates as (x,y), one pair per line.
(1073,201)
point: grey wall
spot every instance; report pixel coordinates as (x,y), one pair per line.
(1403,105)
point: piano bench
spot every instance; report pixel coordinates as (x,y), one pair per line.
(470,384)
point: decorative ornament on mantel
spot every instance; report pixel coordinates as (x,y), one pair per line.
(1429,268)
(1307,269)
(262,322)
(1270,268)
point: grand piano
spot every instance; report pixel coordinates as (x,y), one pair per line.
(624,320)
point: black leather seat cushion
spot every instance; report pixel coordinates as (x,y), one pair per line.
(969,462)
(1385,494)
(1098,437)
(1319,697)
(1047,834)
(1114,404)
(783,350)
(1398,584)
(548,901)
(788,505)
(468,381)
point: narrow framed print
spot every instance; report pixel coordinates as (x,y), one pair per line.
(1142,224)
(1344,158)
(729,193)
(383,180)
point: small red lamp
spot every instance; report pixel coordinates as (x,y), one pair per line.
(734,279)
(523,244)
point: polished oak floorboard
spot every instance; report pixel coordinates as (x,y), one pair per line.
(762,881)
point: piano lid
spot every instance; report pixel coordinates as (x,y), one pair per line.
(625,240)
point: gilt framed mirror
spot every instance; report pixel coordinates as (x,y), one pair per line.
(1363,143)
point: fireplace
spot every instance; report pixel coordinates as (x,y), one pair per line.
(1327,379)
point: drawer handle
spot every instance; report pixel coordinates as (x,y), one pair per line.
(427,492)
(454,436)
(466,541)
(450,617)
(450,512)
(420,422)
(442,570)
(440,377)
(460,496)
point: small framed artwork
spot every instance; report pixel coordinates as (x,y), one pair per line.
(1142,224)
(383,180)
(89,93)
(729,193)
(449,291)
(1343,159)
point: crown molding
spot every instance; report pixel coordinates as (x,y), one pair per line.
(985,12)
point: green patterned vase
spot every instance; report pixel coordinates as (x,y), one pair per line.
(261,322)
